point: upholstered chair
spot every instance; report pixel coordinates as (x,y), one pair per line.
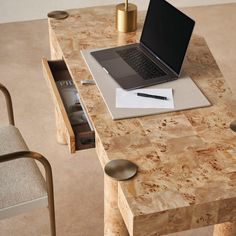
(22,186)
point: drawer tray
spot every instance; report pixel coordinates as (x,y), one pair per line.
(77,133)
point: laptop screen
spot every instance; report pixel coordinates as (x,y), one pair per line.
(167,32)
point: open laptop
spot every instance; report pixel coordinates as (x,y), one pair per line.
(158,57)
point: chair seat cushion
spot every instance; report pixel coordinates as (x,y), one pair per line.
(21,181)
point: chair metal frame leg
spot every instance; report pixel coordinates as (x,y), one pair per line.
(49,179)
(9,104)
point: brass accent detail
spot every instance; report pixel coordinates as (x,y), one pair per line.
(233,125)
(121,169)
(59,15)
(126,17)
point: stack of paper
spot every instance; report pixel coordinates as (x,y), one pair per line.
(130,99)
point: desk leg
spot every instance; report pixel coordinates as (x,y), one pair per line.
(60,128)
(113,222)
(225,229)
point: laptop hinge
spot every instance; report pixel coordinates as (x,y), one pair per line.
(154,55)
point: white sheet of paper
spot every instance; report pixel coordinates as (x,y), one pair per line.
(130,99)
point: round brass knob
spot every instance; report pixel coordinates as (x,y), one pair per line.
(121,169)
(58,15)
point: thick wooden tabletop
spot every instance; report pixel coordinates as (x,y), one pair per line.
(186,160)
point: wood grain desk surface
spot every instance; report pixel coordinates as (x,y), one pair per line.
(187,160)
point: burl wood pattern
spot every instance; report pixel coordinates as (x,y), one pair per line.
(61,137)
(226,229)
(186,159)
(113,223)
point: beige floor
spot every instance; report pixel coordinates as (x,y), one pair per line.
(79,178)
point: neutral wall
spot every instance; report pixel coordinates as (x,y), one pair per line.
(21,10)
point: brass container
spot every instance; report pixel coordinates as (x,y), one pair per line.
(126,17)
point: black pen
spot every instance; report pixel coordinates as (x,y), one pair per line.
(152,96)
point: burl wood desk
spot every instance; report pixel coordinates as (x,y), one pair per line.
(187,159)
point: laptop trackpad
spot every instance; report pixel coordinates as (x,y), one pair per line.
(117,68)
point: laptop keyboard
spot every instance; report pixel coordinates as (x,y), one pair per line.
(135,58)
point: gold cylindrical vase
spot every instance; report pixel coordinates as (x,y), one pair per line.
(126,17)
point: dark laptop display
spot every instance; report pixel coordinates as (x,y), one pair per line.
(158,57)
(166,33)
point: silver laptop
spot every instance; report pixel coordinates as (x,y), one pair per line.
(158,57)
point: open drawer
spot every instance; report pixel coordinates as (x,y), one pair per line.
(73,125)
